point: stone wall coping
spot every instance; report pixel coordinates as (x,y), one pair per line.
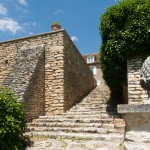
(133,108)
(35,35)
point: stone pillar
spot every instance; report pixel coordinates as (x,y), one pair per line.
(137,119)
(54,80)
(136,114)
(136,94)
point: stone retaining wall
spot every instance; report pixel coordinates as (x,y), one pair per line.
(57,75)
(136,94)
(77,75)
(25,78)
(34,95)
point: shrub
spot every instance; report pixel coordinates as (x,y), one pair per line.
(12,121)
(125,31)
(56,23)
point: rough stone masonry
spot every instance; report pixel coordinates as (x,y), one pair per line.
(136,94)
(136,113)
(46,71)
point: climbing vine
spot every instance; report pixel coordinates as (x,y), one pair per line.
(125,32)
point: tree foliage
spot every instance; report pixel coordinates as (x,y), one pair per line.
(12,121)
(125,31)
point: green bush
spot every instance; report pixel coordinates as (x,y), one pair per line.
(12,121)
(125,31)
(56,23)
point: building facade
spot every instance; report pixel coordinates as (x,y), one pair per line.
(92,61)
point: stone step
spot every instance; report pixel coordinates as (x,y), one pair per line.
(88,108)
(64,124)
(73,129)
(81,116)
(77,120)
(87,116)
(111,128)
(88,105)
(111,125)
(116,123)
(114,137)
(80,125)
(91,106)
(83,112)
(83,103)
(77,116)
(91,109)
(94,102)
(97,104)
(96,113)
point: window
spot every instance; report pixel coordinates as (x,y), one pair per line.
(93,69)
(90,59)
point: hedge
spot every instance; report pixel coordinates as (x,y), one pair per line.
(125,32)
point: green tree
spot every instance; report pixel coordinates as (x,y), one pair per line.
(125,31)
(12,121)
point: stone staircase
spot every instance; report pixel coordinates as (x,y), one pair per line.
(94,118)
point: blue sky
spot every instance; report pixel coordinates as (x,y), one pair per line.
(80,18)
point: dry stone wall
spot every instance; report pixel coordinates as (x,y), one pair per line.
(41,92)
(35,94)
(44,73)
(8,53)
(54,80)
(23,68)
(78,78)
(136,94)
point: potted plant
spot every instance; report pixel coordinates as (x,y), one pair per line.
(55,26)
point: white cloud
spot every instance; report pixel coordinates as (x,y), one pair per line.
(29,24)
(23,2)
(19,8)
(8,24)
(30,33)
(3,10)
(74,38)
(59,12)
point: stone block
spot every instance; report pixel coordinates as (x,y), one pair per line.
(137,119)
